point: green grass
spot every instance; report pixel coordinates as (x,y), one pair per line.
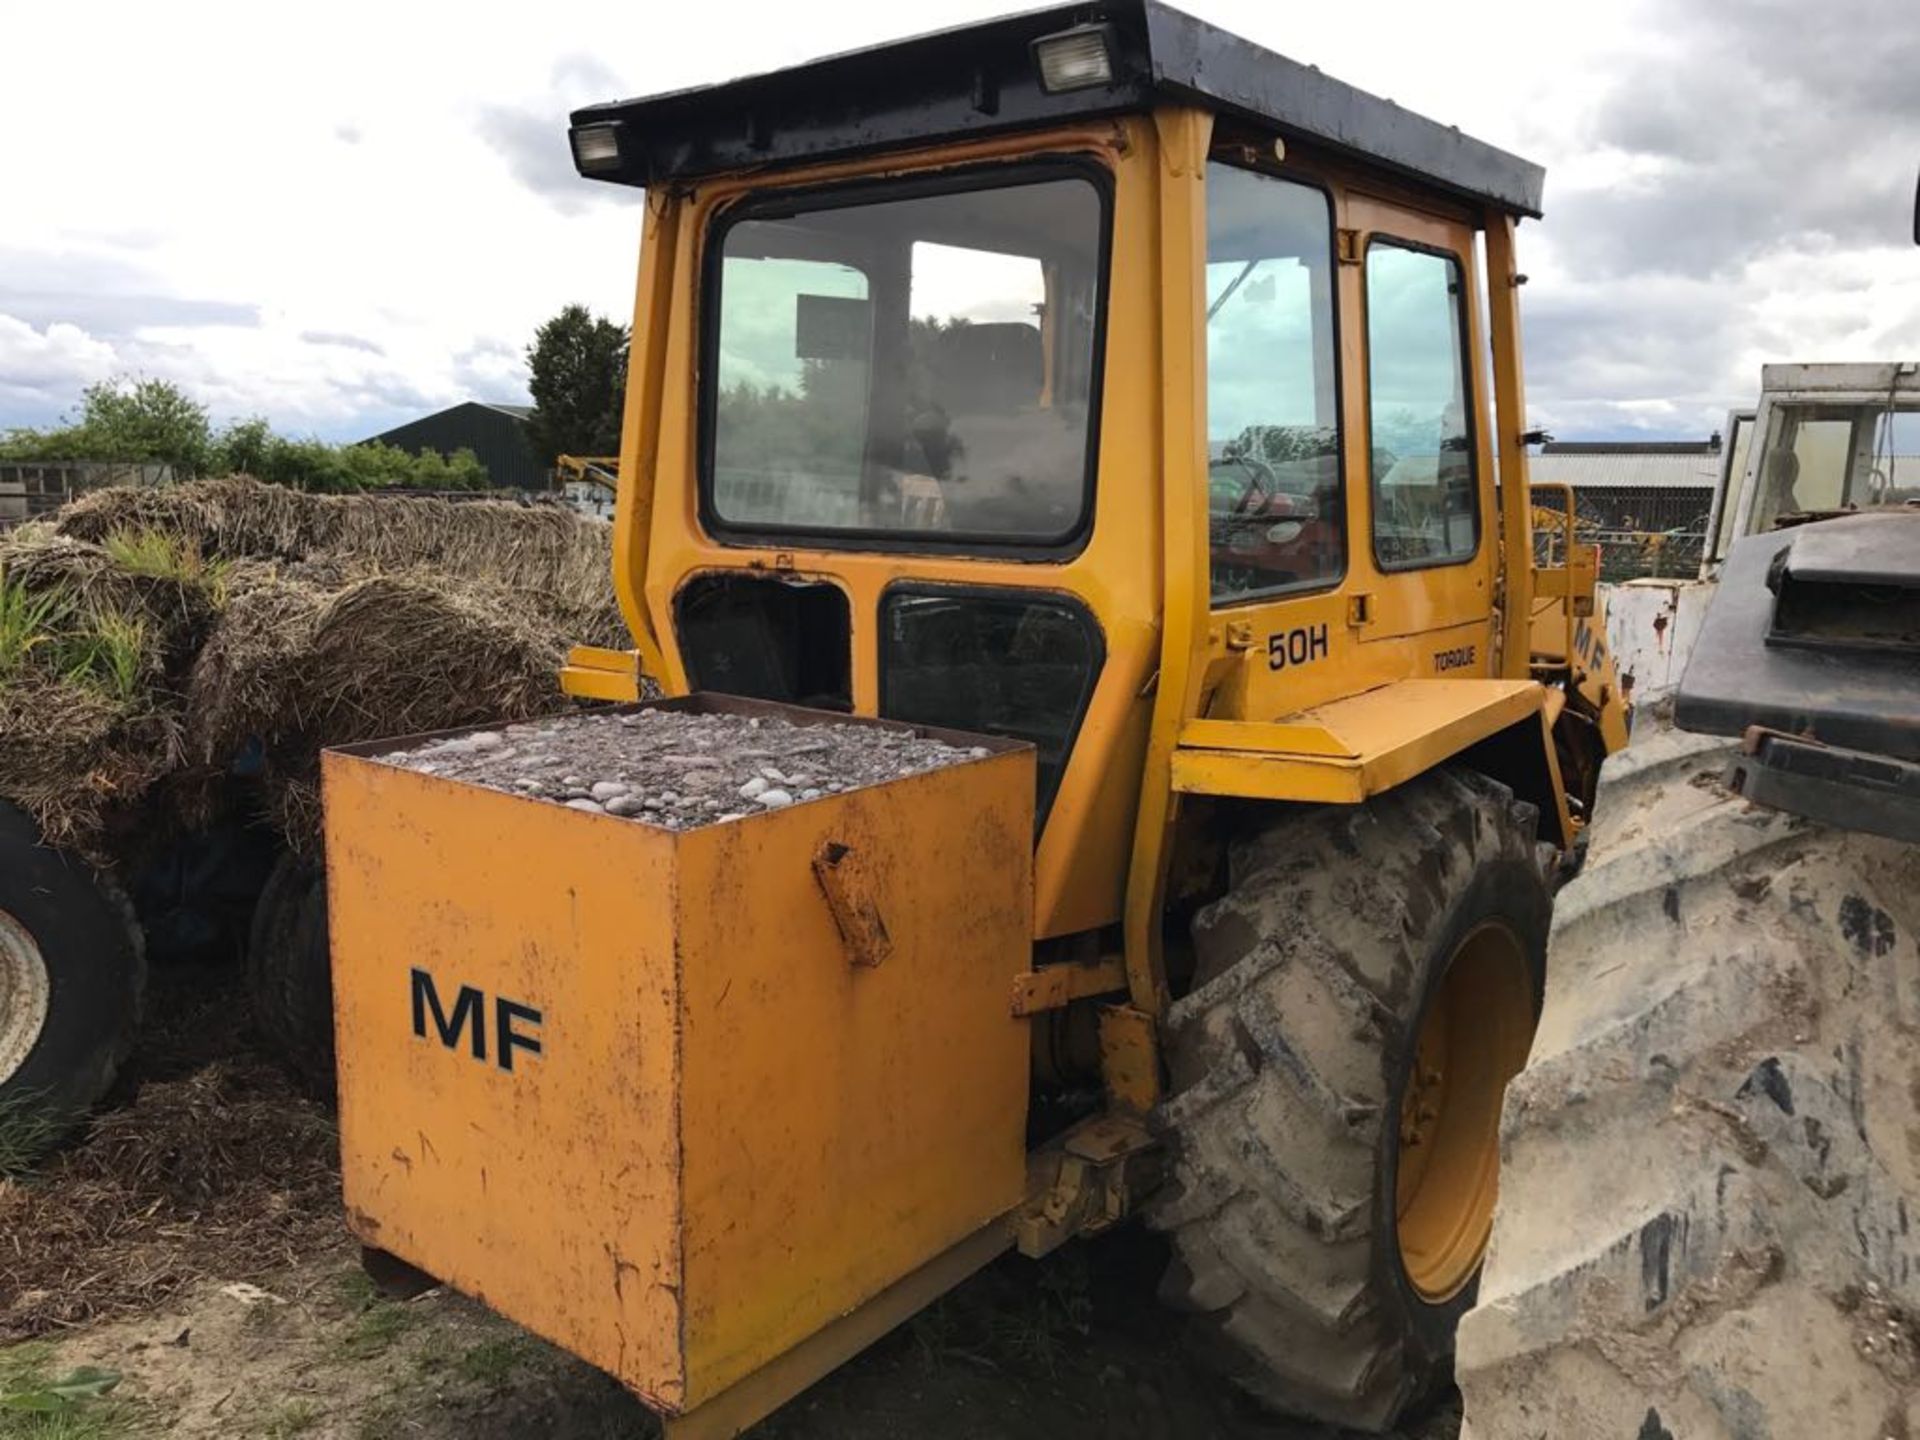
(27,1131)
(373,1331)
(78,1424)
(108,654)
(489,1364)
(376,1321)
(160,556)
(27,621)
(42,1401)
(384,1419)
(296,1417)
(24,1364)
(492,1362)
(102,649)
(356,1289)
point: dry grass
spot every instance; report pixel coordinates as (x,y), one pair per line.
(149,636)
(559,559)
(218,1167)
(79,762)
(297,668)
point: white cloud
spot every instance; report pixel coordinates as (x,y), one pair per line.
(47,368)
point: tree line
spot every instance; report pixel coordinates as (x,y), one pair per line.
(577,365)
(155,422)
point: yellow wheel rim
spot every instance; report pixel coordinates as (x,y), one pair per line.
(1473,1040)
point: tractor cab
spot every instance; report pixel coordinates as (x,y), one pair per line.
(1826,439)
(1066,375)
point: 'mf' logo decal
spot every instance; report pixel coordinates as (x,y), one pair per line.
(515,1026)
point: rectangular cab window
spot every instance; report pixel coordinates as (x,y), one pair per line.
(915,365)
(1007,664)
(1275,507)
(1825,457)
(1426,507)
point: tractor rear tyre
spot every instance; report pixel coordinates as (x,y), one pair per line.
(1364,991)
(1709,1221)
(72,974)
(289,973)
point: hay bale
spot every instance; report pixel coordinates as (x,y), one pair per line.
(78,762)
(562,559)
(292,622)
(387,655)
(177,612)
(298,669)
(423,652)
(239,679)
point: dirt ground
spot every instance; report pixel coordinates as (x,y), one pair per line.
(1019,1353)
(216,1281)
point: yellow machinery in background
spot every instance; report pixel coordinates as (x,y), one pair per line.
(587,472)
(1101,385)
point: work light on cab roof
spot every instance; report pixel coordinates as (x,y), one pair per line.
(596,148)
(1074,59)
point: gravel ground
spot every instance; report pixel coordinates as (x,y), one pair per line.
(679,769)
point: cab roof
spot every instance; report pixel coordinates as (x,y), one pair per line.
(983,79)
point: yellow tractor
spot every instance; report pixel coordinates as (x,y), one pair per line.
(1137,413)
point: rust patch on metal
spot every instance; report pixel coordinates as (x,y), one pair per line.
(1130,1057)
(845,882)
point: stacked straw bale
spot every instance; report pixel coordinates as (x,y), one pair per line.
(283,623)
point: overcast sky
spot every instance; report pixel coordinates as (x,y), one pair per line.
(347,218)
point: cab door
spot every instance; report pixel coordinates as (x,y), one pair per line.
(1278,513)
(1427,532)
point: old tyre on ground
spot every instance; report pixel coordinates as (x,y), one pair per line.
(1709,1223)
(289,974)
(71,978)
(1364,990)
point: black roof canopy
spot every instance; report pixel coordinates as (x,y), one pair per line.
(980,79)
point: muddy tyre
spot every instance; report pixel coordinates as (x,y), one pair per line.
(1709,1222)
(289,971)
(1363,992)
(72,974)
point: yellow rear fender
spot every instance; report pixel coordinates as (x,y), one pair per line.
(1344,751)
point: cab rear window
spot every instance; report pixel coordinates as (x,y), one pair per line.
(908,362)
(1012,664)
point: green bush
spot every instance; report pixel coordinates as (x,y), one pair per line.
(152,422)
(251,448)
(126,421)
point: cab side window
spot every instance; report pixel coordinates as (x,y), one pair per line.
(1276,513)
(1426,507)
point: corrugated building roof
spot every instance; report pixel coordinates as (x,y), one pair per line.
(1628,467)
